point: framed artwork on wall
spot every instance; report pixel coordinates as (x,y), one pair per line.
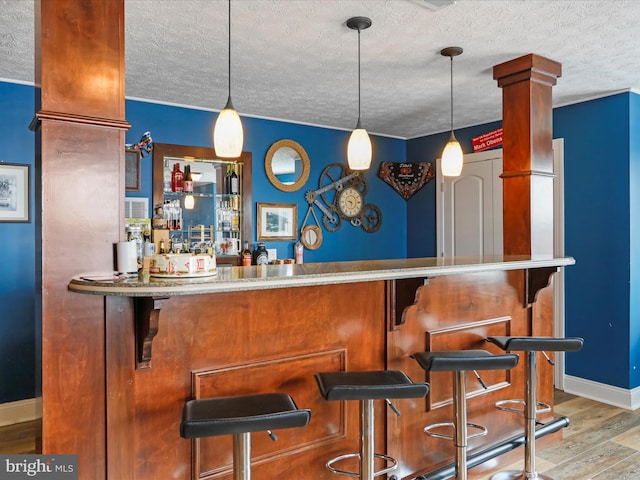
(14,192)
(132,170)
(277,221)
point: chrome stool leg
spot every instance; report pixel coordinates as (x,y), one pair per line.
(242,456)
(529,472)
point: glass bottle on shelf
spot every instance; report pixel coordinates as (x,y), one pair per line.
(188,180)
(166,178)
(177,178)
(227,181)
(234,184)
(246,255)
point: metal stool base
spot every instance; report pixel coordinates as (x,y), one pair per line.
(518,475)
(540,407)
(386,458)
(429,430)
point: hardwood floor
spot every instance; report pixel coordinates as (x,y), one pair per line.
(601,443)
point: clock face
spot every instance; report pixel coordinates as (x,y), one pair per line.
(350,202)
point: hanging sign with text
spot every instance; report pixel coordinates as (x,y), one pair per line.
(487,140)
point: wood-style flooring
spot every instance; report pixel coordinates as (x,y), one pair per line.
(601,443)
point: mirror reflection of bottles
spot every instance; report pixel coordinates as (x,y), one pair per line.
(231,181)
(188,180)
(177,179)
(173,214)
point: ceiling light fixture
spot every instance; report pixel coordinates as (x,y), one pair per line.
(359,147)
(451,161)
(228,136)
(189,202)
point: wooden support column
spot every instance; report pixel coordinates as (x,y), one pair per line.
(527,176)
(80,134)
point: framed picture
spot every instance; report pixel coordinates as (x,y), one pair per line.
(277,221)
(14,192)
(132,170)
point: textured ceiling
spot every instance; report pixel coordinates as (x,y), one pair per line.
(296,60)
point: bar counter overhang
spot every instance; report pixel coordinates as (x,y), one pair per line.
(259,329)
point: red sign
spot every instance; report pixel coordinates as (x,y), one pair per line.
(487,140)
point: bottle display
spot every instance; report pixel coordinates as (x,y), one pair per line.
(177,179)
(218,208)
(246,255)
(188,180)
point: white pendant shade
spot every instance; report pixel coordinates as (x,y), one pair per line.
(359,150)
(228,135)
(451,162)
(189,202)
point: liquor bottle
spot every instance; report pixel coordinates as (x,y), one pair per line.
(260,255)
(234,183)
(227,181)
(177,179)
(166,178)
(246,255)
(188,179)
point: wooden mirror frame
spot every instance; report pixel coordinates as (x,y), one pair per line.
(161,150)
(268,165)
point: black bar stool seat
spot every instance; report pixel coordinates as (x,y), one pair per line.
(531,407)
(366,387)
(238,416)
(459,362)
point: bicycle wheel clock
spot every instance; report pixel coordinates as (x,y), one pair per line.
(341,196)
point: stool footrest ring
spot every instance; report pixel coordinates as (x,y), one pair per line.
(429,430)
(540,407)
(386,458)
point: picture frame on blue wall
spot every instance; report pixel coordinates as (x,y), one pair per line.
(132,170)
(15,181)
(277,221)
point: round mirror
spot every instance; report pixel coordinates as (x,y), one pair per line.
(311,237)
(287,165)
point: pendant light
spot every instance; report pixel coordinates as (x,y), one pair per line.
(451,162)
(359,147)
(228,136)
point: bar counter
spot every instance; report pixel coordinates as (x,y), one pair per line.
(282,276)
(246,330)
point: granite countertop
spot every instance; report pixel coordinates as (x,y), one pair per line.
(282,276)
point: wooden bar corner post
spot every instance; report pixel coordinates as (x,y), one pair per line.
(527,176)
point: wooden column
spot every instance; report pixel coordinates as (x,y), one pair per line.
(80,128)
(526,84)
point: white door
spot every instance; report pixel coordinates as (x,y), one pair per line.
(470,207)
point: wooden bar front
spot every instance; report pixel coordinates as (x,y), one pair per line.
(242,342)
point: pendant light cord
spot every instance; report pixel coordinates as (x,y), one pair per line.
(358,76)
(451,94)
(229,59)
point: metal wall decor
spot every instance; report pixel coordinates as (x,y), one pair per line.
(340,196)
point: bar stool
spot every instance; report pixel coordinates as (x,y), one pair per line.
(532,407)
(459,362)
(367,387)
(240,415)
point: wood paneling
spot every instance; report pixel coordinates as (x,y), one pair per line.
(79,214)
(527,176)
(249,342)
(454,313)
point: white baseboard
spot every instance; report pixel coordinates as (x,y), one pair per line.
(601,392)
(16,412)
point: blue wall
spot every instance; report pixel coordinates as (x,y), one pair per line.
(17,260)
(170,124)
(602,219)
(597,235)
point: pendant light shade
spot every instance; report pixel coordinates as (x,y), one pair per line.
(228,136)
(451,161)
(359,149)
